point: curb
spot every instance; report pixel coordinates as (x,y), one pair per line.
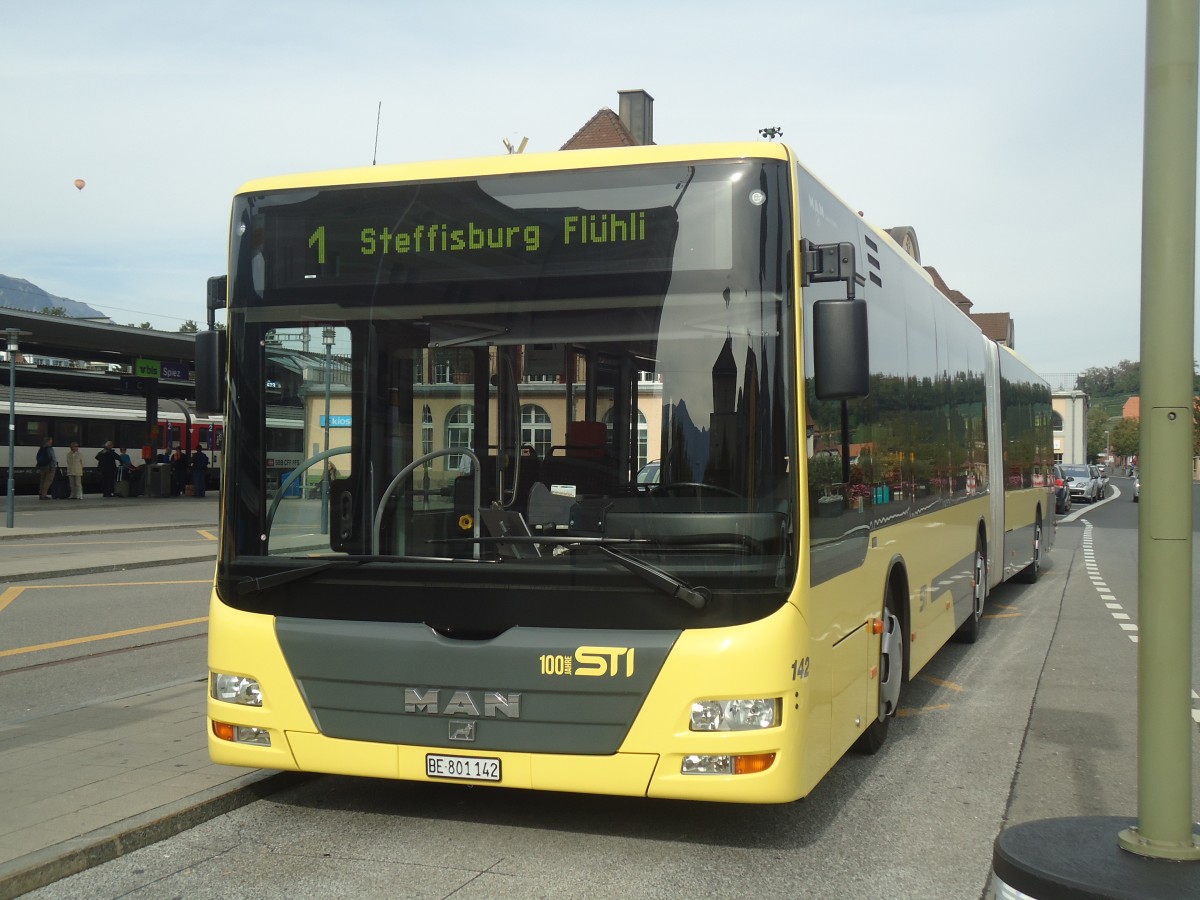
(43,867)
(9,534)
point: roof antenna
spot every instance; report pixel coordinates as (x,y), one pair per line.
(378,112)
(771,133)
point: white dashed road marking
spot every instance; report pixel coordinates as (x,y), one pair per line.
(1111,603)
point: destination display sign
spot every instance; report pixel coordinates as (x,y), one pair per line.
(453,232)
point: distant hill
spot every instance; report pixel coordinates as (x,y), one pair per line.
(17,293)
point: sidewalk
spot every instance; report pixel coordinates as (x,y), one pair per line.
(33,517)
(87,784)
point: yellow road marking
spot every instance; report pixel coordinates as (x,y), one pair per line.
(904,713)
(1012,615)
(946,684)
(17,651)
(207,534)
(9,596)
(51,587)
(122,542)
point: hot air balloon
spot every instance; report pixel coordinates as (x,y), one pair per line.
(79,183)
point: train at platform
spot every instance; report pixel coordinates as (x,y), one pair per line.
(90,418)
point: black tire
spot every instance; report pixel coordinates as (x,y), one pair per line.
(1029,574)
(968,631)
(891,666)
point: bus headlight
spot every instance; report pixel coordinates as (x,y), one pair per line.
(735,715)
(236,689)
(241,734)
(751,764)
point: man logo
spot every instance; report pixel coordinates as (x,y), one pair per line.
(486,704)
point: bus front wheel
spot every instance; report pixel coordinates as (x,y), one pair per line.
(891,674)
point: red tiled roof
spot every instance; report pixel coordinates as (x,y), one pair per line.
(604,129)
(1132,408)
(997,326)
(961,300)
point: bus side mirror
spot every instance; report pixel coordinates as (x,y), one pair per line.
(215,294)
(841,358)
(211,352)
(210,372)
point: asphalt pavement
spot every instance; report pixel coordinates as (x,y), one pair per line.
(86,784)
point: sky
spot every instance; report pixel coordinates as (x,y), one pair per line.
(1008,135)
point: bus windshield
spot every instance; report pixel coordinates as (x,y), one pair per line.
(513,385)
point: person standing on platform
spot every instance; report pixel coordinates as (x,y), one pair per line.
(75,471)
(47,465)
(199,472)
(179,471)
(106,463)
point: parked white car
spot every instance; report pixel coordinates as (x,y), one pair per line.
(1083,483)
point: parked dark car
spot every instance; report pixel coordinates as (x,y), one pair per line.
(1062,491)
(1082,482)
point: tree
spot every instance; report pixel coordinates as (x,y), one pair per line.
(189,327)
(1125,437)
(1196,425)
(53,311)
(1096,426)
(1123,378)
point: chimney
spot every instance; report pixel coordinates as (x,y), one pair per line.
(637,114)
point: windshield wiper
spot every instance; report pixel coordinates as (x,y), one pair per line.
(695,597)
(671,585)
(275,579)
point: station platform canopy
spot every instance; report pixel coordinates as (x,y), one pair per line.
(102,345)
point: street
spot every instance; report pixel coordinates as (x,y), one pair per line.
(72,640)
(1036,720)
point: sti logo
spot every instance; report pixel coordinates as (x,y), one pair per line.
(590,661)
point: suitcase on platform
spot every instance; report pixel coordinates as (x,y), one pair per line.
(121,488)
(60,487)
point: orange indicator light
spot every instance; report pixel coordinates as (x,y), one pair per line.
(223,730)
(748,765)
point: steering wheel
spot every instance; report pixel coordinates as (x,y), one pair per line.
(690,489)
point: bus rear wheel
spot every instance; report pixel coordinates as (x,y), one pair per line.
(968,632)
(891,674)
(1029,575)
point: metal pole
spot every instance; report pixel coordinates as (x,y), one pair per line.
(1164,759)
(327,337)
(12,419)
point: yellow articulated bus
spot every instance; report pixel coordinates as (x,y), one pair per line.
(654,471)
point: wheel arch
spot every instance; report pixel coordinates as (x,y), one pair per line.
(897,581)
